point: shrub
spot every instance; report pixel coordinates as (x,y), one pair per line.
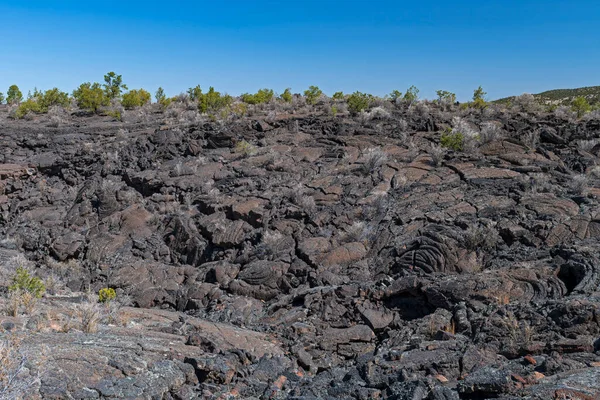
(479,98)
(287,95)
(213,101)
(452,140)
(395,95)
(244,148)
(312,94)
(260,97)
(338,96)
(437,154)
(113,85)
(580,106)
(89,314)
(27,283)
(135,98)
(161,98)
(106,295)
(445,97)
(358,102)
(1,97)
(40,102)
(411,95)
(14,95)
(373,159)
(90,96)
(195,93)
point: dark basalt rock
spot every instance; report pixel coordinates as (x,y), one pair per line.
(307,266)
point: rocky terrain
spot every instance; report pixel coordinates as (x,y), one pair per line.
(305,255)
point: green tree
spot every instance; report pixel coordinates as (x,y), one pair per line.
(113,85)
(195,93)
(14,95)
(312,94)
(338,96)
(479,98)
(287,95)
(581,106)
(445,97)
(358,102)
(1,97)
(135,98)
(411,95)
(395,95)
(90,96)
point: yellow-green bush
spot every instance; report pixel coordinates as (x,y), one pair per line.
(260,97)
(135,98)
(23,281)
(90,96)
(106,295)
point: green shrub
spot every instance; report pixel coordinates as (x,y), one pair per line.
(90,96)
(106,295)
(161,98)
(287,95)
(40,102)
(452,140)
(244,148)
(135,98)
(22,281)
(313,94)
(581,106)
(195,93)
(358,102)
(1,97)
(479,98)
(114,114)
(113,85)
(213,101)
(411,95)
(260,97)
(445,97)
(338,96)
(395,95)
(334,110)
(53,97)
(29,105)
(14,95)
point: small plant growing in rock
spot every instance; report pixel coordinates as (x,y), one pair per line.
(106,295)
(89,314)
(1,97)
(437,154)
(23,281)
(312,94)
(161,98)
(452,140)
(245,148)
(373,158)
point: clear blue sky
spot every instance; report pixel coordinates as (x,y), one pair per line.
(508,47)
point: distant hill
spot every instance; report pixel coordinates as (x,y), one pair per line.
(563,96)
